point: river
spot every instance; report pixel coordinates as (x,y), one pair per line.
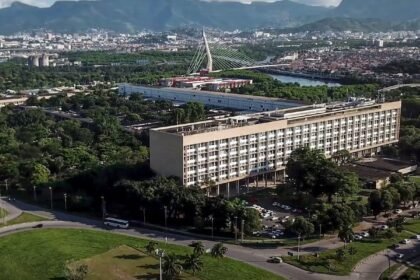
(305,81)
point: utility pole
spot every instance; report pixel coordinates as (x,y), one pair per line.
(320,231)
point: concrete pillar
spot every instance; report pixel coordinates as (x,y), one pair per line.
(266,180)
(218,190)
(238,192)
(208,191)
(256,182)
(275,177)
(247,185)
(228,190)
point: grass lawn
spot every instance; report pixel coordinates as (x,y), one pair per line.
(124,262)
(413,226)
(273,243)
(415,179)
(42,254)
(327,263)
(3,213)
(385,275)
(24,218)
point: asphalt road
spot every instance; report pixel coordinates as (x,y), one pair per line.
(368,269)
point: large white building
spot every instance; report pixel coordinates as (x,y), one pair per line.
(209,98)
(233,149)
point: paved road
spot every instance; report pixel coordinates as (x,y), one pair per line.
(368,269)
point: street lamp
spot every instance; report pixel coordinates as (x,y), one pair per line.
(65,201)
(320,231)
(236,228)
(144,215)
(160,253)
(35,198)
(165,208)
(103,207)
(298,252)
(212,227)
(51,197)
(242,230)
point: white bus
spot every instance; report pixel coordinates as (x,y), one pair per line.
(112,222)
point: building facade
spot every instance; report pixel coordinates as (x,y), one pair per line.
(237,148)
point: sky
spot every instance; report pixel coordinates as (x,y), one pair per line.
(45,3)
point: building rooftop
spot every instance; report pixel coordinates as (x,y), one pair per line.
(386,164)
(290,114)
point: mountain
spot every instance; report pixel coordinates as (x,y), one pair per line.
(343,24)
(389,10)
(134,15)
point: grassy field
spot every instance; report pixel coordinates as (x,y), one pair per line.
(385,275)
(24,218)
(42,254)
(327,262)
(124,262)
(3,213)
(415,179)
(413,226)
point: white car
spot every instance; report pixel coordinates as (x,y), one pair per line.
(358,237)
(275,204)
(399,256)
(365,234)
(398,211)
(383,227)
(274,218)
(418,237)
(406,241)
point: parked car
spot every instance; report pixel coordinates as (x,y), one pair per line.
(399,256)
(365,234)
(275,260)
(358,237)
(398,211)
(406,241)
(417,237)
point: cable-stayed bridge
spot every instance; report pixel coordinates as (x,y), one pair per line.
(215,57)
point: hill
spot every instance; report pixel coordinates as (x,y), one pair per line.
(134,15)
(389,10)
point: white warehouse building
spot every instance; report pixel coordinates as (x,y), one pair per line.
(209,98)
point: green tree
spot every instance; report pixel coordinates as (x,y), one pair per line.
(218,250)
(375,202)
(171,267)
(40,174)
(346,234)
(199,248)
(301,227)
(252,221)
(340,255)
(193,263)
(151,247)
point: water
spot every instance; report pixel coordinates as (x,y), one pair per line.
(305,81)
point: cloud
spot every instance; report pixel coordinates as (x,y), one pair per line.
(46,3)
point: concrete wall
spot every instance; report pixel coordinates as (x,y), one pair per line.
(166,154)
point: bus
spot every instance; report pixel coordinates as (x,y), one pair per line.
(112,222)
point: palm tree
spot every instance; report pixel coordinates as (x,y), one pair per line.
(218,250)
(172,268)
(199,248)
(151,247)
(194,263)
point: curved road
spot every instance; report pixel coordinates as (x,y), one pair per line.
(368,269)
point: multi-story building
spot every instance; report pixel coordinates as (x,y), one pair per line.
(229,150)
